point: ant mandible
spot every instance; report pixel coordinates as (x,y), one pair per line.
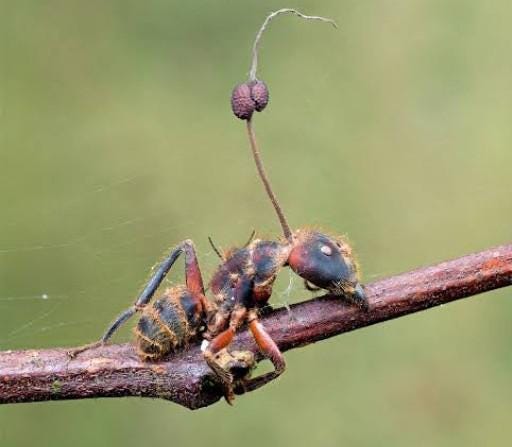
(242,285)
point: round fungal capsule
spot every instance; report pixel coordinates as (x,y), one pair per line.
(242,103)
(259,94)
(249,97)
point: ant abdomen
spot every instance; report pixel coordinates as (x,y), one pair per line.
(169,324)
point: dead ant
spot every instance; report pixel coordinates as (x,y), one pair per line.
(242,285)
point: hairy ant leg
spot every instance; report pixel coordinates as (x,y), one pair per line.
(193,280)
(269,349)
(222,340)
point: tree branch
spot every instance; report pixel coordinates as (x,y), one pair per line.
(184,378)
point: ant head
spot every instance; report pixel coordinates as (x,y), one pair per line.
(327,262)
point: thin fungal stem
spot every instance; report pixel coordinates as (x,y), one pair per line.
(255,46)
(266,182)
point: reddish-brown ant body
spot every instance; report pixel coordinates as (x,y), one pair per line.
(242,284)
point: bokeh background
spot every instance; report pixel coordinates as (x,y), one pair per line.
(117,142)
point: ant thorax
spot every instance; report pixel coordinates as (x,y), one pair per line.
(247,274)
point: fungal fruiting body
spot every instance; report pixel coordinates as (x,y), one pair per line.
(242,284)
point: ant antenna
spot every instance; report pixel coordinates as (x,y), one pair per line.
(219,252)
(251,237)
(215,249)
(252,96)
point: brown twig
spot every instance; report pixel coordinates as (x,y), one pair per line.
(111,371)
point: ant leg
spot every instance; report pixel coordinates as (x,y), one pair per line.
(220,342)
(193,276)
(194,283)
(123,317)
(269,348)
(310,287)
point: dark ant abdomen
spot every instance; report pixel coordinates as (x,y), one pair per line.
(169,324)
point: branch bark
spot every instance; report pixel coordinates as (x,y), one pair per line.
(184,378)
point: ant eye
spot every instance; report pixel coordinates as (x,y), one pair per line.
(326,250)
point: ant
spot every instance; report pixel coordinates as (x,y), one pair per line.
(242,284)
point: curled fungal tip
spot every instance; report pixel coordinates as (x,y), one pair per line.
(268,19)
(249,97)
(253,95)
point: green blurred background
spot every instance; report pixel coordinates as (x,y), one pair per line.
(117,142)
